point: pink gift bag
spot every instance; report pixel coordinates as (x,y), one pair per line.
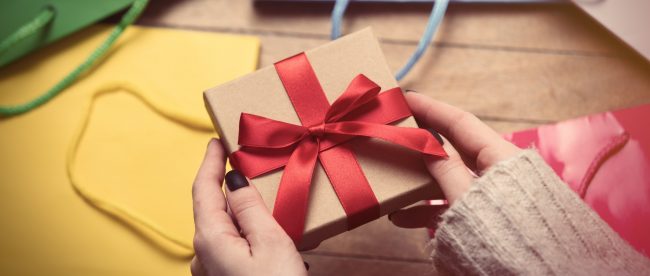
(605,159)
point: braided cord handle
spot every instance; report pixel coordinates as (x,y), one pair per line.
(30,28)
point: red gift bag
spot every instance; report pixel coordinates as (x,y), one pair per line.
(605,158)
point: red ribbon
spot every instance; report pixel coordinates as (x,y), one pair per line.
(361,110)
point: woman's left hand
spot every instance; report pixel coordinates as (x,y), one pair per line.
(260,248)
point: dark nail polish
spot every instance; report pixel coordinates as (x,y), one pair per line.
(436,135)
(306,265)
(235,180)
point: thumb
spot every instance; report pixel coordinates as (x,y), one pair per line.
(418,216)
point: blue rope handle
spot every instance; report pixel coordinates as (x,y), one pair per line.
(337,16)
(437,13)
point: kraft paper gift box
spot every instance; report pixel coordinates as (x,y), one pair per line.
(396,175)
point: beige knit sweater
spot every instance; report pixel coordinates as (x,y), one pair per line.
(520,218)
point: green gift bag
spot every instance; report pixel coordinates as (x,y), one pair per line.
(28,25)
(52,19)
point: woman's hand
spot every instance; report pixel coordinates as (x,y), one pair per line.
(260,248)
(471,145)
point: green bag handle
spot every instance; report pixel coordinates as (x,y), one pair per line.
(42,20)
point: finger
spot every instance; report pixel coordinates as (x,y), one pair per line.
(196,268)
(453,177)
(232,217)
(248,208)
(418,216)
(472,137)
(209,202)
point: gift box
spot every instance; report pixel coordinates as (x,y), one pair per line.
(325,104)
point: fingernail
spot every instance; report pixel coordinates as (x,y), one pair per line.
(306,265)
(235,180)
(409,90)
(437,136)
(211,141)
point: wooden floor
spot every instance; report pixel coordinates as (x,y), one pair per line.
(515,66)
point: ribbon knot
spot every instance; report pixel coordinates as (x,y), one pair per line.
(360,111)
(317,130)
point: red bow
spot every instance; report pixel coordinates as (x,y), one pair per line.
(267,144)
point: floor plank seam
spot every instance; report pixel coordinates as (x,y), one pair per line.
(525,50)
(514,120)
(441,44)
(367,257)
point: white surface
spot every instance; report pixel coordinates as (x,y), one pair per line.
(627,19)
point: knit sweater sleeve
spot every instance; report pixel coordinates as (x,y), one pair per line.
(520,218)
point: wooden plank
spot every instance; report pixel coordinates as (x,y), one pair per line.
(527,86)
(512,85)
(559,27)
(345,265)
(523,85)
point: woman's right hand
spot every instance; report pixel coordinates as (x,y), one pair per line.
(471,146)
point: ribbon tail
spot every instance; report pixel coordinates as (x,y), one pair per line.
(253,162)
(292,199)
(412,138)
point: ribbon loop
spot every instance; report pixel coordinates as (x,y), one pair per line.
(360,91)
